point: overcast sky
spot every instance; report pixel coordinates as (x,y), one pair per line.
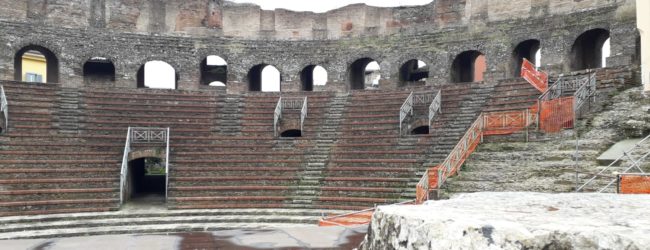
(325,5)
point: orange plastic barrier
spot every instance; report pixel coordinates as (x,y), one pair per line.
(634,184)
(538,79)
(508,122)
(360,218)
(556,114)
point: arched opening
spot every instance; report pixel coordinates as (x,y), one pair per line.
(590,50)
(364,72)
(313,75)
(421,130)
(99,70)
(146,180)
(36,64)
(265,78)
(468,66)
(291,133)
(214,71)
(529,50)
(157,75)
(412,71)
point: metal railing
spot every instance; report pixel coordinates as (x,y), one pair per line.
(277,115)
(4,107)
(405,110)
(461,151)
(585,96)
(303,115)
(583,87)
(634,163)
(290,103)
(125,165)
(149,135)
(435,107)
(167,166)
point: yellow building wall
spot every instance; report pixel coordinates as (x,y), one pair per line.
(643,24)
(36,64)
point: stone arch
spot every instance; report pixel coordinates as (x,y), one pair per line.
(51,64)
(214,71)
(256,81)
(587,50)
(413,70)
(525,50)
(310,75)
(166,76)
(468,66)
(359,75)
(98,70)
(291,133)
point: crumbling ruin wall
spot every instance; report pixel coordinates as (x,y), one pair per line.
(183,32)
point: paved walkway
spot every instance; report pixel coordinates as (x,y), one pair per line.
(282,238)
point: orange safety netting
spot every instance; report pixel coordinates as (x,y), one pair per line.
(631,184)
(538,79)
(505,123)
(361,218)
(556,114)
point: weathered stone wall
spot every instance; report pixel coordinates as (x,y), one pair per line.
(188,31)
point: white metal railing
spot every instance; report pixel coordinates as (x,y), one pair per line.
(125,165)
(167,166)
(435,107)
(4,107)
(405,110)
(277,115)
(148,135)
(634,163)
(303,115)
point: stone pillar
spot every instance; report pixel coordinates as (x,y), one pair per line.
(643,24)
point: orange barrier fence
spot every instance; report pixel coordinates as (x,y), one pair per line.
(538,79)
(507,122)
(556,114)
(354,218)
(634,184)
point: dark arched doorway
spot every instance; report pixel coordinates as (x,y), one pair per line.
(364,72)
(214,71)
(146,181)
(265,78)
(587,51)
(421,130)
(525,50)
(291,133)
(468,66)
(413,71)
(99,70)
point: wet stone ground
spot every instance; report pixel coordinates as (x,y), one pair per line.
(285,238)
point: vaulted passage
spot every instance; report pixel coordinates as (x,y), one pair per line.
(265,78)
(157,75)
(313,75)
(99,70)
(422,130)
(291,133)
(529,50)
(413,71)
(364,72)
(146,180)
(36,64)
(214,71)
(589,50)
(468,66)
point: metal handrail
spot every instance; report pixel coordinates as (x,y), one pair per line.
(615,162)
(435,107)
(4,107)
(303,115)
(148,135)
(584,94)
(277,114)
(125,165)
(167,167)
(405,110)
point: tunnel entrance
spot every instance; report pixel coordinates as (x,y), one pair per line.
(147,181)
(589,50)
(422,130)
(292,133)
(468,66)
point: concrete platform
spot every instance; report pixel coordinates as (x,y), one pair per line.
(616,151)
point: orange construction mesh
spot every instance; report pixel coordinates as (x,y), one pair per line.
(556,114)
(361,218)
(631,184)
(538,79)
(507,122)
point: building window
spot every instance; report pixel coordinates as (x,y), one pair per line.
(33,77)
